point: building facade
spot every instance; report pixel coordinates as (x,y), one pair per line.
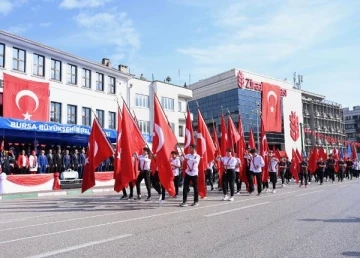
(238,92)
(352,123)
(325,120)
(81,89)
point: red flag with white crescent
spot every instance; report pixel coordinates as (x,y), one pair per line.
(189,137)
(264,149)
(271,107)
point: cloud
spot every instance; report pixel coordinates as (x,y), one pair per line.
(7,6)
(45,24)
(19,29)
(74,4)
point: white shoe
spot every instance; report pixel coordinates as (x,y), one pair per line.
(159,198)
(225,198)
(309,183)
(274,191)
(283,185)
(231,199)
(238,193)
(162,202)
(265,190)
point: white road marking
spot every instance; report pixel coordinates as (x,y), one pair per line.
(33,217)
(77,247)
(61,221)
(309,193)
(238,209)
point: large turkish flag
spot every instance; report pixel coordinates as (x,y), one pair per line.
(26,99)
(271,108)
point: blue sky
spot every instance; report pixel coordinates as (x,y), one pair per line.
(317,38)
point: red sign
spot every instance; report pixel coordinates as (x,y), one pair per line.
(250,84)
(294,126)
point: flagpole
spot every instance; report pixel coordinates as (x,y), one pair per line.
(177,142)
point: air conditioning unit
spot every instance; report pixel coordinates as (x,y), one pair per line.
(123,68)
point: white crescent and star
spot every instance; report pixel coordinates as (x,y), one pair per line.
(96,148)
(188,138)
(159,132)
(203,142)
(30,94)
(272,94)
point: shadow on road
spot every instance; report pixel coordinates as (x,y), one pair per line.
(345,220)
(351,254)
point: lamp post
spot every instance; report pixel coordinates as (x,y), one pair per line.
(257,111)
(302,138)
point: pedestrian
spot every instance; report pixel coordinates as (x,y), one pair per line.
(229,163)
(330,165)
(209,174)
(175,166)
(144,164)
(237,174)
(256,165)
(273,170)
(321,166)
(342,169)
(282,170)
(304,172)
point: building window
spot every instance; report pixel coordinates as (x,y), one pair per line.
(181,130)
(181,106)
(55,70)
(72,114)
(55,112)
(142,101)
(86,78)
(144,127)
(112,88)
(86,116)
(99,82)
(19,59)
(2,55)
(39,65)
(167,103)
(172,127)
(100,116)
(72,74)
(112,120)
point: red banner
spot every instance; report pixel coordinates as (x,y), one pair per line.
(26,99)
(271,108)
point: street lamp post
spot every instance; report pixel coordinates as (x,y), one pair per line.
(302,138)
(257,111)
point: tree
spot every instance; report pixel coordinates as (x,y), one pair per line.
(168,79)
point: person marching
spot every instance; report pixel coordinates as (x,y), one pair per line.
(273,170)
(349,170)
(229,163)
(304,172)
(256,165)
(125,196)
(248,158)
(237,175)
(175,166)
(288,172)
(209,174)
(144,164)
(282,170)
(321,166)
(330,164)
(356,168)
(191,175)
(342,168)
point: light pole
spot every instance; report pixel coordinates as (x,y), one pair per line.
(302,138)
(257,111)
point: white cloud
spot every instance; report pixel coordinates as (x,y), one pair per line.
(19,29)
(6,6)
(45,24)
(73,4)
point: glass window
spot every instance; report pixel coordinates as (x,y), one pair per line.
(112,120)
(72,74)
(181,130)
(19,59)
(55,70)
(100,116)
(167,103)
(99,82)
(142,100)
(2,55)
(55,112)
(39,65)
(86,78)
(112,88)
(72,114)
(86,116)
(144,127)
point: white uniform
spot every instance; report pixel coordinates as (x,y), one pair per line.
(192,162)
(238,165)
(256,164)
(273,165)
(229,162)
(175,164)
(144,162)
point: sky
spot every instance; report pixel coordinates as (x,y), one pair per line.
(319,39)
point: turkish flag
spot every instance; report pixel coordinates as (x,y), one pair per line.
(271,107)
(131,142)
(206,150)
(295,166)
(189,137)
(252,140)
(241,145)
(233,134)
(264,149)
(164,143)
(117,157)
(322,154)
(217,148)
(99,149)
(223,146)
(25,99)
(313,160)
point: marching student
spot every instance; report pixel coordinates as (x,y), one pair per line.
(191,175)
(349,169)
(125,196)
(282,170)
(237,174)
(144,164)
(330,164)
(248,158)
(273,170)
(229,163)
(256,165)
(342,168)
(288,175)
(321,165)
(209,174)
(304,172)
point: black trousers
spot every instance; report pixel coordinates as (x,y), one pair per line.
(238,181)
(187,180)
(155,182)
(273,179)
(349,173)
(288,175)
(303,177)
(341,175)
(176,184)
(229,182)
(265,185)
(251,182)
(209,176)
(320,174)
(131,187)
(23,170)
(282,175)
(144,174)
(331,174)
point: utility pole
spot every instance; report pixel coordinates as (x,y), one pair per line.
(257,111)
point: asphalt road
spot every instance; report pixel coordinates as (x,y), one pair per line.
(320,221)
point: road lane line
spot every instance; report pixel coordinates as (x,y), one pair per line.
(77,247)
(309,193)
(33,217)
(238,209)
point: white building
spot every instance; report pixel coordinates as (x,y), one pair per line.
(79,86)
(352,123)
